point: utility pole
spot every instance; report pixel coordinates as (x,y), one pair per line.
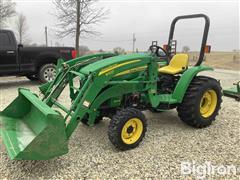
(79,3)
(46,36)
(134,40)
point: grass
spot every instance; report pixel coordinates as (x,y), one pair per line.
(221,60)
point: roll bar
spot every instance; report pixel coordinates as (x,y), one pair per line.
(204,38)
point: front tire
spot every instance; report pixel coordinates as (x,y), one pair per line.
(201,103)
(47,73)
(127,128)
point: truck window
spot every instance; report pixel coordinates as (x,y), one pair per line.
(4,39)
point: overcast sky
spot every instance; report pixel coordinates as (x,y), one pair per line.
(148,19)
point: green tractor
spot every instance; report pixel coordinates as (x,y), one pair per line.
(118,87)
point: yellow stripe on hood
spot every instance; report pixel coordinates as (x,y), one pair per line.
(116,66)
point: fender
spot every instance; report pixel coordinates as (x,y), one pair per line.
(115,91)
(185,81)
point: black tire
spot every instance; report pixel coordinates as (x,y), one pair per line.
(189,110)
(32,77)
(47,73)
(116,126)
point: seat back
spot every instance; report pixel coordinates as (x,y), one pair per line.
(179,61)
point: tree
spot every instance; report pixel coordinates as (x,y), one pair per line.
(22,28)
(83,50)
(77,18)
(7,10)
(185,49)
(118,50)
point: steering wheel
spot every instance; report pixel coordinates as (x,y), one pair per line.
(155,49)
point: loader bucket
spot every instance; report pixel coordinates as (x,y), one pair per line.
(31,130)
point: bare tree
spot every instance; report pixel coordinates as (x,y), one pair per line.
(119,50)
(7,9)
(22,28)
(77,18)
(185,49)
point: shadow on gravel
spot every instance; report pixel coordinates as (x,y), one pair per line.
(16,84)
(36,169)
(32,169)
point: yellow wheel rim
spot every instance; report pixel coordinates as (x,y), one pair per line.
(132,131)
(208,103)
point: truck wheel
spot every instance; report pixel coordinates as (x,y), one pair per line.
(201,103)
(32,77)
(47,73)
(127,128)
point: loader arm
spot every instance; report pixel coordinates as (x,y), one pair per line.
(30,128)
(67,72)
(101,75)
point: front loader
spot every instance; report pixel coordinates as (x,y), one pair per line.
(118,87)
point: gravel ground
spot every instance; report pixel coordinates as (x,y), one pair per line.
(168,142)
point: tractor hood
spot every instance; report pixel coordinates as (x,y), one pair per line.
(99,65)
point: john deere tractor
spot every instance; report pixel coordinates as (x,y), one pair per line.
(118,87)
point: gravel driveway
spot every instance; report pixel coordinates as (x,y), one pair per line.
(167,144)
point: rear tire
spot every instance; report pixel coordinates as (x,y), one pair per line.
(201,103)
(47,73)
(127,128)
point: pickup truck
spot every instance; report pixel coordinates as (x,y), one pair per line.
(36,63)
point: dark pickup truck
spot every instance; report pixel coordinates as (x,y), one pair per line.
(36,63)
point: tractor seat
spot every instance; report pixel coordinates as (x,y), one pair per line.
(178,64)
